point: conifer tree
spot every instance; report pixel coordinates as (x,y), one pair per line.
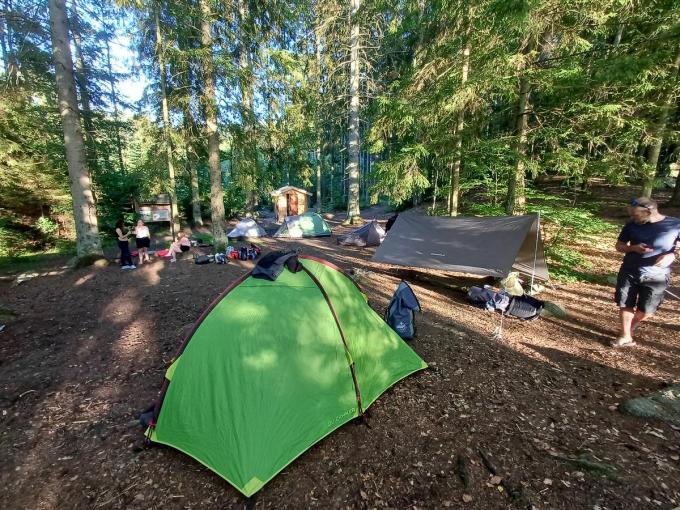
(84,210)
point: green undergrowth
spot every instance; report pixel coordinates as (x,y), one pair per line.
(27,261)
(570,230)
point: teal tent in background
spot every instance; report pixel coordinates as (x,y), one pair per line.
(272,367)
(305,225)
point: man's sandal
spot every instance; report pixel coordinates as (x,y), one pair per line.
(622,342)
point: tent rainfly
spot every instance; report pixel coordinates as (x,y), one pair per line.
(371,234)
(304,225)
(492,245)
(247,227)
(272,367)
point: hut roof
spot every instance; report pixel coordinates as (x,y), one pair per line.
(284,189)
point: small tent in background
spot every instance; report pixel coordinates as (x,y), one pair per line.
(272,367)
(492,245)
(371,234)
(305,225)
(247,227)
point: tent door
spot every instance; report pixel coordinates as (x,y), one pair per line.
(292,204)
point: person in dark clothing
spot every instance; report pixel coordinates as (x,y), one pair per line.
(123,244)
(390,222)
(648,241)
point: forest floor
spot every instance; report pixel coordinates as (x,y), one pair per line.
(85,351)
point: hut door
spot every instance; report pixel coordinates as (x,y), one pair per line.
(292,204)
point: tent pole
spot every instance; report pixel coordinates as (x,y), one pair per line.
(538,233)
(671,294)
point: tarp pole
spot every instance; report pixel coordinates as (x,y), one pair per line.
(538,233)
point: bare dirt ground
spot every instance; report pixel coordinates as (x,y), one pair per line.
(86,351)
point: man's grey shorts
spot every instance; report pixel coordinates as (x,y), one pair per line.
(644,292)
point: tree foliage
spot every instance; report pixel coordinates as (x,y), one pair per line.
(460,103)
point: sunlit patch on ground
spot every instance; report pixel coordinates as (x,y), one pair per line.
(87,350)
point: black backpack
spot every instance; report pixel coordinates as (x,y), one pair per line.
(400,311)
(202,259)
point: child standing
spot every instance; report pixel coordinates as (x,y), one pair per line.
(143,241)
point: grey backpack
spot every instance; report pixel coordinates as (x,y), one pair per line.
(400,311)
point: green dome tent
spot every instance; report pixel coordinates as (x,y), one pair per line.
(305,225)
(272,367)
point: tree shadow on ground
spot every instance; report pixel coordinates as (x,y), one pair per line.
(106,336)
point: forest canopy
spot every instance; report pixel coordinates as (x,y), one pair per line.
(463,106)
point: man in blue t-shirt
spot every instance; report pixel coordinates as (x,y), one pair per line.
(649,242)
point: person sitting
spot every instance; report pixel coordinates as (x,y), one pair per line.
(180,245)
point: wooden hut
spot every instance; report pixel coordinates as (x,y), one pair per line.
(289,201)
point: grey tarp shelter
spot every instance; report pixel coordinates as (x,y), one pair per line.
(492,245)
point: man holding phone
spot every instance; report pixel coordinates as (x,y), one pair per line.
(649,242)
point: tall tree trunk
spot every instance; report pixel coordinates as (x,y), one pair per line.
(160,51)
(353,140)
(84,210)
(191,158)
(618,36)
(83,82)
(516,199)
(515,202)
(210,107)
(195,196)
(317,44)
(418,55)
(12,61)
(434,192)
(454,192)
(658,130)
(247,106)
(4,49)
(274,174)
(114,97)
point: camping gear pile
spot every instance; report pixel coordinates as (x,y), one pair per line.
(523,307)
(274,365)
(371,234)
(304,225)
(244,252)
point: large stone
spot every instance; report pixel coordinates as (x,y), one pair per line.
(88,260)
(662,405)
(101,262)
